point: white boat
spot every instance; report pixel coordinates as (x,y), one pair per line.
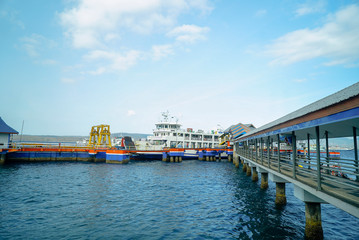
(169,134)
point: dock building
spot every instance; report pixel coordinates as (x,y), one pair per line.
(5,134)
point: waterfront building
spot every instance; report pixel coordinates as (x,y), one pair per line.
(5,134)
(235,131)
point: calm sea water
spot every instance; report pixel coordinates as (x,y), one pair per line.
(151,200)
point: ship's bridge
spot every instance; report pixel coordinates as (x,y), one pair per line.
(168,126)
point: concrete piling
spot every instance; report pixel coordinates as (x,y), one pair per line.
(2,158)
(264,181)
(280,198)
(254,174)
(244,168)
(313,221)
(249,170)
(236,162)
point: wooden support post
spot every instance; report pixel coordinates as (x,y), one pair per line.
(313,221)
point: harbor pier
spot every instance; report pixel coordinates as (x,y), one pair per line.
(318,177)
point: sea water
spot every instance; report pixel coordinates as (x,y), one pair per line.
(151,200)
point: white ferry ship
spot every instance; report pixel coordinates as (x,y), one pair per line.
(169,134)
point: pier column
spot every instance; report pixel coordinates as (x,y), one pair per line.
(229,158)
(244,168)
(171,159)
(313,218)
(280,198)
(254,174)
(313,221)
(200,156)
(264,180)
(164,157)
(2,158)
(219,157)
(236,161)
(249,170)
(207,158)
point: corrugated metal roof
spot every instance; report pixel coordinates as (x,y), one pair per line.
(337,97)
(4,128)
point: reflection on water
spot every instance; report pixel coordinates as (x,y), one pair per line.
(150,200)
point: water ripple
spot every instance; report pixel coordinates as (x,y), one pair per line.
(150,200)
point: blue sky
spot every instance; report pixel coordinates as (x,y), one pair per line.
(67,65)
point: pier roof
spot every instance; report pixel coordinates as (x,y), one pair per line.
(324,107)
(4,128)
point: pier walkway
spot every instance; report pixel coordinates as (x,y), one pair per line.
(318,175)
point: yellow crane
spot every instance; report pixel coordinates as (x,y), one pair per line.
(100,136)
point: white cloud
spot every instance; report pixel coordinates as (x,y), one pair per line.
(113,60)
(337,40)
(161,51)
(104,27)
(37,46)
(311,7)
(91,20)
(131,113)
(188,33)
(12,17)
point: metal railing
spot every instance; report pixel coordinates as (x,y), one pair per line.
(332,171)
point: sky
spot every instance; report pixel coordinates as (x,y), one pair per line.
(70,64)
